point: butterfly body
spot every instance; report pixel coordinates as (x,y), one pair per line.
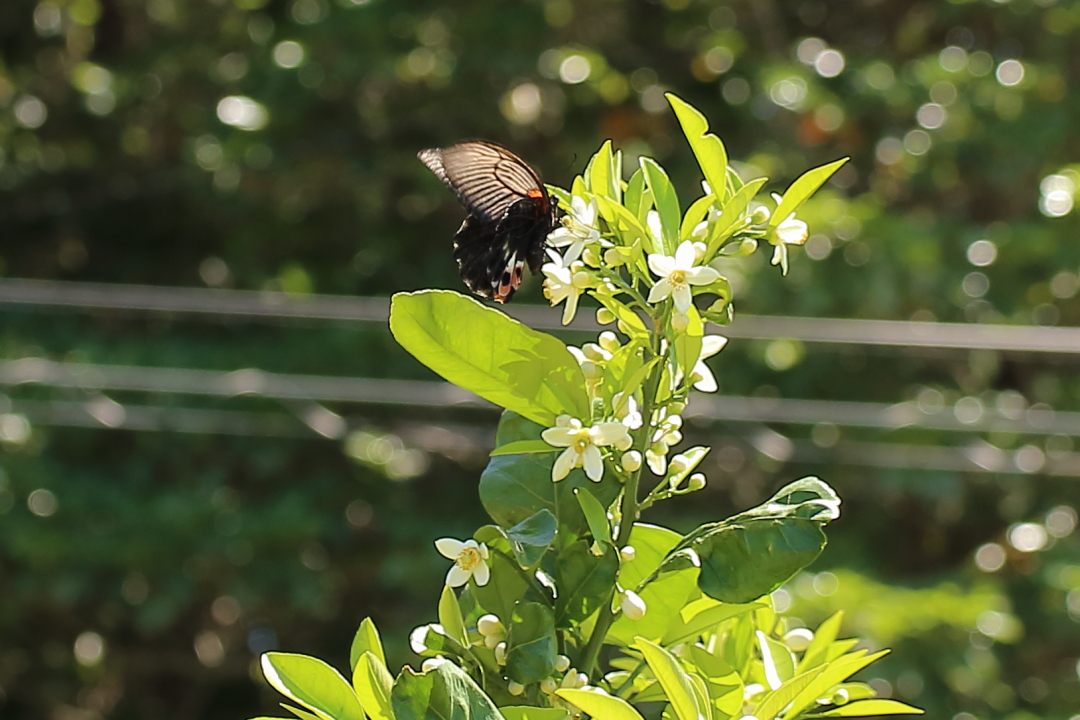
(510,215)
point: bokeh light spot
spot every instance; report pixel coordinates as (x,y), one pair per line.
(1028,537)
(574,69)
(982,253)
(42,503)
(990,557)
(829,63)
(89,649)
(1010,73)
(289,54)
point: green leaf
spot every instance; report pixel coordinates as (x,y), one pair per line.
(667,203)
(600,705)
(700,615)
(584,582)
(445,693)
(450,616)
(624,313)
(868,708)
(688,344)
(520,447)
(531,646)
(599,172)
(302,714)
(694,215)
(437,641)
(693,456)
(527,712)
(366,640)
(802,188)
(664,597)
(531,537)
(823,637)
(312,683)
(709,151)
(515,487)
(829,676)
(733,211)
(482,350)
(595,515)
(372,683)
(774,702)
(754,552)
(779,665)
(675,681)
(742,562)
(504,588)
(634,199)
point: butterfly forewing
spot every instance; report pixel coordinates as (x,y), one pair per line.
(510,214)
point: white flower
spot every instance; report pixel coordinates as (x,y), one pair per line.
(677,274)
(582,445)
(578,229)
(701,375)
(791,231)
(565,281)
(470,561)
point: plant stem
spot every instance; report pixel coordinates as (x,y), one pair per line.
(629,511)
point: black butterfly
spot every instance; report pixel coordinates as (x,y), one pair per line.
(510,214)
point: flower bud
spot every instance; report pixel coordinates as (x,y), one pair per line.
(591,370)
(676,409)
(760,216)
(591,258)
(679,322)
(562,663)
(798,639)
(613,258)
(609,340)
(596,549)
(432,663)
(500,653)
(697,481)
(699,252)
(633,606)
(582,280)
(594,352)
(631,461)
(678,464)
(515,688)
(548,686)
(489,624)
(840,697)
(604,316)
(628,553)
(624,443)
(417,638)
(492,640)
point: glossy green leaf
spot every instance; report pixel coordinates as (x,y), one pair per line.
(301,714)
(526,712)
(531,537)
(521,447)
(688,344)
(486,352)
(366,640)
(601,180)
(774,702)
(708,149)
(823,637)
(667,203)
(733,211)
(694,215)
(805,186)
(531,646)
(595,515)
(584,581)
(445,693)
(503,590)
(600,705)
(313,684)
(450,616)
(870,708)
(828,677)
(373,683)
(674,680)
(700,615)
(634,197)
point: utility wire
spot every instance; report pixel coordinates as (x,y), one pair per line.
(1038,419)
(278,306)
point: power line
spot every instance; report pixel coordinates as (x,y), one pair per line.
(278,306)
(1038,419)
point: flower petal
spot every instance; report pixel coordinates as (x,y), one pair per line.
(449,548)
(661,265)
(707,383)
(571,306)
(701,275)
(563,464)
(660,291)
(558,436)
(594,463)
(712,344)
(684,256)
(457,576)
(481,573)
(608,433)
(683,298)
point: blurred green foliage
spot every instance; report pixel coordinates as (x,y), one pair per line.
(270,144)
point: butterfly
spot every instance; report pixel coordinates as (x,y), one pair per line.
(510,214)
